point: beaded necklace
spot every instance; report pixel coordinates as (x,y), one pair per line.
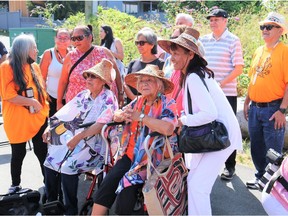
(60,57)
(260,67)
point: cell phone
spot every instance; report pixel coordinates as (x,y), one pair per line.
(30,94)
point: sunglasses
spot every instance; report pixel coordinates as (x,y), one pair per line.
(268,27)
(174,37)
(78,38)
(89,75)
(141,43)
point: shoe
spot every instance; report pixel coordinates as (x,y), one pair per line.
(14,189)
(228,174)
(253,184)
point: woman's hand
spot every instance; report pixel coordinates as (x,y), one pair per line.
(59,104)
(36,105)
(46,136)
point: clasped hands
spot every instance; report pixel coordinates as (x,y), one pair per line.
(126,114)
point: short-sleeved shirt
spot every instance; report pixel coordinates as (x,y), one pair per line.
(20,125)
(222,55)
(270,83)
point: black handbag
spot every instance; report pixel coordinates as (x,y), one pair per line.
(205,138)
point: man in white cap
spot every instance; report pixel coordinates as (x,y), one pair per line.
(267,97)
(223,53)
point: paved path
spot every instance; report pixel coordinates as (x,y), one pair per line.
(228,198)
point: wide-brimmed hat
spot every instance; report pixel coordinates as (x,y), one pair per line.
(104,70)
(277,19)
(150,70)
(189,40)
(218,13)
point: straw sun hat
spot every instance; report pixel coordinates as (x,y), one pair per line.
(150,70)
(104,70)
(189,40)
(277,19)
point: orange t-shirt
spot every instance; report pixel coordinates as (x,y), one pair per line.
(270,83)
(19,124)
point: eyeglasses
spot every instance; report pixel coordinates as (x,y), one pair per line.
(89,75)
(268,27)
(78,38)
(63,39)
(141,43)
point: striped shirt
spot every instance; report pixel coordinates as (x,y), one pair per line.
(222,56)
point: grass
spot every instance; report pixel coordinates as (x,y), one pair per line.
(244,156)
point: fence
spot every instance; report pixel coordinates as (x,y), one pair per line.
(15,20)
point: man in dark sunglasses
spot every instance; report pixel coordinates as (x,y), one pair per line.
(223,46)
(267,97)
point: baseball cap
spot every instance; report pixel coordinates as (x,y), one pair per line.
(218,13)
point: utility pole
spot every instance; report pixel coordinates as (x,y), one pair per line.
(90,8)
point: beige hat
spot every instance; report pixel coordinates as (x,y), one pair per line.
(189,40)
(277,19)
(104,70)
(150,70)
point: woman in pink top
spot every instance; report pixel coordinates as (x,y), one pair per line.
(72,81)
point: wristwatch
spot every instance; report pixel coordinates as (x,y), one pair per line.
(142,115)
(282,110)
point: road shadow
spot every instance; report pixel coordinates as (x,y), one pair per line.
(5,158)
(233,198)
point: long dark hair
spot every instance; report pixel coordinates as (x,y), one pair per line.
(109,38)
(18,57)
(196,65)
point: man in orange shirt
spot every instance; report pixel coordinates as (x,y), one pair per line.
(268,94)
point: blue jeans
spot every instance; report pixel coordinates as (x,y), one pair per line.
(263,136)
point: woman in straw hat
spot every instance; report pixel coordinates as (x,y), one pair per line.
(152,111)
(207,106)
(96,104)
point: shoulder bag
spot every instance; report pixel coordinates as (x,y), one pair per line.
(165,191)
(205,138)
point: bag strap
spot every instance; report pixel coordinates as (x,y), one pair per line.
(189,96)
(277,177)
(149,154)
(79,60)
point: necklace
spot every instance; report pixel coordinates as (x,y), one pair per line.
(260,67)
(60,57)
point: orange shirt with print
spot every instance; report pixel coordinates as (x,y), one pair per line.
(19,124)
(270,83)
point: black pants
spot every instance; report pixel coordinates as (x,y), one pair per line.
(231,161)
(53,105)
(19,152)
(127,198)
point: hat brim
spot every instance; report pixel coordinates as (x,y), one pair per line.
(131,80)
(283,26)
(165,45)
(96,74)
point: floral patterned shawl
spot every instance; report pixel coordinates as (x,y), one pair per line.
(164,109)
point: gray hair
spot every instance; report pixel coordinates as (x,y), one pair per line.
(150,36)
(21,47)
(159,82)
(187,17)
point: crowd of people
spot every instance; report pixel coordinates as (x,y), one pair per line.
(82,83)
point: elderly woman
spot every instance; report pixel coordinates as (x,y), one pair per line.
(73,150)
(25,105)
(207,105)
(152,111)
(71,79)
(146,42)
